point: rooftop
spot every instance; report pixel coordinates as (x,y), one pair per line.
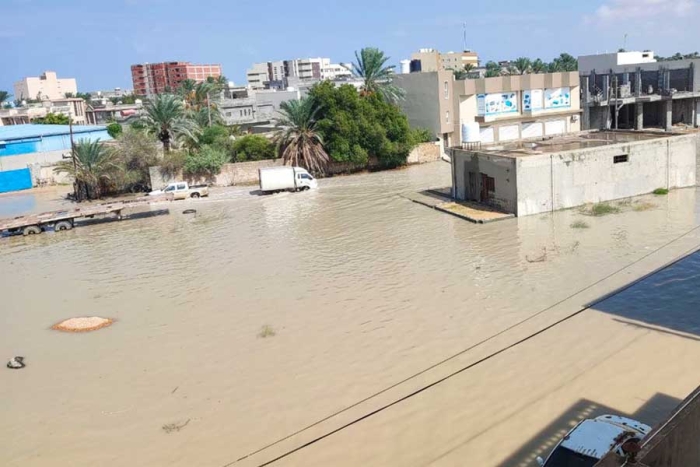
(15,132)
(571,142)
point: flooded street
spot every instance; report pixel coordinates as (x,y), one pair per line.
(367,298)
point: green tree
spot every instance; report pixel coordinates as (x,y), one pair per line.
(493,69)
(205,162)
(94,168)
(252,148)
(52,119)
(166,118)
(4,97)
(299,143)
(564,62)
(538,66)
(135,152)
(464,72)
(114,129)
(522,65)
(371,68)
(355,128)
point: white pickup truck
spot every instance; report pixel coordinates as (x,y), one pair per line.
(182,190)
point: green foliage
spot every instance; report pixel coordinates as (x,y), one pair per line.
(677,56)
(52,119)
(165,117)
(136,151)
(252,148)
(299,143)
(579,225)
(93,166)
(206,162)
(125,100)
(522,65)
(538,66)
(564,62)
(493,69)
(371,67)
(601,209)
(356,128)
(660,191)
(4,97)
(421,135)
(114,129)
(466,72)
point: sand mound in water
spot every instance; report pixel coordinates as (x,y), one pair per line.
(82,324)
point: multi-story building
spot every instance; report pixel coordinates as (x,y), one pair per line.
(276,75)
(46,86)
(72,107)
(156,78)
(632,90)
(254,106)
(429,60)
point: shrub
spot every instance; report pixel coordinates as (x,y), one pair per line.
(252,148)
(206,162)
(660,191)
(422,135)
(579,225)
(114,129)
(602,209)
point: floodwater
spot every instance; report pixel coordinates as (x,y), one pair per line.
(367,299)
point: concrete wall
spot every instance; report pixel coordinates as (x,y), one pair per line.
(24,160)
(426,152)
(501,169)
(573,178)
(422,101)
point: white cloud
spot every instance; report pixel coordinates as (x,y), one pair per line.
(627,9)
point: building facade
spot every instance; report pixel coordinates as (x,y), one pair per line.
(255,106)
(277,75)
(429,60)
(631,90)
(156,78)
(45,87)
(75,108)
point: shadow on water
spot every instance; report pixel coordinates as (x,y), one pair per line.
(668,298)
(130,217)
(654,411)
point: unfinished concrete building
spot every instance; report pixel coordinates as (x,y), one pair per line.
(631,90)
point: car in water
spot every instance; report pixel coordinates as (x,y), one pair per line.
(592,439)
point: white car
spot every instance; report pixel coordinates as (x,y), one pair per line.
(592,439)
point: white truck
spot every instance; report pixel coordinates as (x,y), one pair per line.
(285,179)
(182,190)
(592,439)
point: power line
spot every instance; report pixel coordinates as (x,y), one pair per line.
(472,365)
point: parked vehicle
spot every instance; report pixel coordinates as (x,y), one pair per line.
(182,190)
(285,179)
(592,439)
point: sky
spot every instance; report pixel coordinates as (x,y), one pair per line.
(96,41)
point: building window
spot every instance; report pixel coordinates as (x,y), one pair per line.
(621,159)
(447,116)
(447,90)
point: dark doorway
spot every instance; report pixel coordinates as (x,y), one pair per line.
(488,188)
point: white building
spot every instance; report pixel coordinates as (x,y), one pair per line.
(603,62)
(261,75)
(334,71)
(45,87)
(258,75)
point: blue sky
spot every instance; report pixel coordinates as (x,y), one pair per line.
(96,41)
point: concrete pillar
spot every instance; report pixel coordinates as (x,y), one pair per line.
(638,82)
(606,87)
(639,120)
(586,118)
(586,85)
(668,114)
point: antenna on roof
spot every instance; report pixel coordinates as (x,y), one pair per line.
(464,44)
(624,43)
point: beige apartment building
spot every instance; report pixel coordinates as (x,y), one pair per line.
(491,110)
(72,107)
(45,87)
(428,60)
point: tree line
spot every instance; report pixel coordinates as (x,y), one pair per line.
(520,66)
(331,124)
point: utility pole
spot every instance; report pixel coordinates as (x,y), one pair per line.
(75,164)
(464,44)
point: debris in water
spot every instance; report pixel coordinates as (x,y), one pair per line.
(189,211)
(170,427)
(540,259)
(83,324)
(266,331)
(16,363)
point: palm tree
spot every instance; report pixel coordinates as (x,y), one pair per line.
(4,96)
(298,142)
(564,62)
(538,66)
(464,72)
(371,68)
(165,117)
(92,166)
(493,69)
(522,65)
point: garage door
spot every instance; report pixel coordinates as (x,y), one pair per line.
(508,133)
(532,130)
(555,127)
(486,135)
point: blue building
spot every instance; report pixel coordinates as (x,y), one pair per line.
(31,146)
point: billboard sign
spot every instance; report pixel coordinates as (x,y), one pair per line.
(497,104)
(532,100)
(557,98)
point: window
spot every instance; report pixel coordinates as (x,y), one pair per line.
(447,116)
(181,186)
(620,159)
(170,188)
(447,90)
(306,177)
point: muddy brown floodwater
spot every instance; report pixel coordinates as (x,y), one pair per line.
(266,327)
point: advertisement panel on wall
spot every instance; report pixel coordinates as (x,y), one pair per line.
(557,98)
(532,100)
(496,104)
